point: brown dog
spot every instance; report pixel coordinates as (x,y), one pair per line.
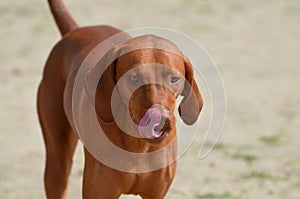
(55,114)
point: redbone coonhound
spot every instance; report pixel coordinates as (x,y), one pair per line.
(150,102)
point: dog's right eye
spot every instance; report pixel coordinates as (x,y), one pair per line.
(133,77)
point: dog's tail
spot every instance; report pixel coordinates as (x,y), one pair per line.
(63,19)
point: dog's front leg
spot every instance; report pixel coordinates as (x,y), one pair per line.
(102,182)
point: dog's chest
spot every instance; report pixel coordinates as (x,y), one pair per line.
(152,181)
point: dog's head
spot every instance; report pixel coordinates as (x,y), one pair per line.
(150,79)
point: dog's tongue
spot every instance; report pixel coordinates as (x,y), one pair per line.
(148,123)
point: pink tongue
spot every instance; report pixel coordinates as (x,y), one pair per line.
(147,124)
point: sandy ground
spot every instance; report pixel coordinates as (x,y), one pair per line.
(254,43)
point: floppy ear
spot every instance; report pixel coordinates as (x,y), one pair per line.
(191,105)
(106,85)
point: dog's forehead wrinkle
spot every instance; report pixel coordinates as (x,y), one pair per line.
(154,71)
(148,56)
(150,41)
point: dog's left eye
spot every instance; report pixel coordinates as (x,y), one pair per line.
(175,80)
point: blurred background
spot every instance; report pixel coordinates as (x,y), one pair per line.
(256,45)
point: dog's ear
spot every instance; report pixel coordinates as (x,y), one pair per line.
(191,104)
(106,84)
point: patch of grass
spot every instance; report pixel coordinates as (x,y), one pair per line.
(288,114)
(296,184)
(203,8)
(6,190)
(223,195)
(244,191)
(273,140)
(245,147)
(25,52)
(292,162)
(292,10)
(179,192)
(23,11)
(219,146)
(234,7)
(206,9)
(188,2)
(257,175)
(270,192)
(39,28)
(247,157)
(3,11)
(208,144)
(261,176)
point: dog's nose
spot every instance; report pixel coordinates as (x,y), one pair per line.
(155,122)
(165,114)
(164,124)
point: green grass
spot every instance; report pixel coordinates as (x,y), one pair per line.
(292,10)
(273,140)
(234,7)
(202,8)
(288,114)
(188,2)
(22,11)
(238,153)
(261,176)
(6,190)
(257,175)
(292,162)
(296,184)
(206,9)
(39,28)
(247,157)
(223,195)
(219,146)
(25,52)
(270,192)
(3,11)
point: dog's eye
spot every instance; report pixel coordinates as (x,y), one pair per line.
(175,80)
(133,77)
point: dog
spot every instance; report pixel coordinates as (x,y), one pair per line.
(152,102)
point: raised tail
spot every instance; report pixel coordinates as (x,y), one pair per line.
(63,19)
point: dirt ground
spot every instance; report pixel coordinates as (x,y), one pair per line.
(256,45)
